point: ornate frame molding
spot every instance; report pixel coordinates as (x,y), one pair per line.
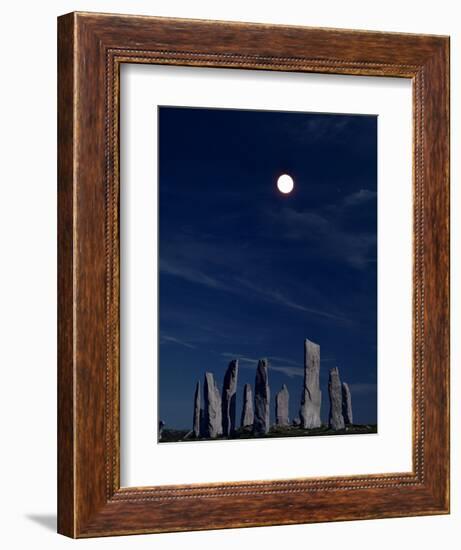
(91,49)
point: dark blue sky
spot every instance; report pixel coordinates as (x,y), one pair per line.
(246,272)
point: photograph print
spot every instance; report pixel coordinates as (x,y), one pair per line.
(267,274)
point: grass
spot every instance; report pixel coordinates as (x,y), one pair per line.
(171,435)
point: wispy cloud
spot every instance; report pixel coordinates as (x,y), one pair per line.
(325,232)
(289,371)
(319,129)
(241,358)
(190,274)
(174,340)
(286,366)
(274,296)
(284,360)
(359,197)
(240,286)
(249,362)
(360,389)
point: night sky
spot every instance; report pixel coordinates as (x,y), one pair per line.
(247,272)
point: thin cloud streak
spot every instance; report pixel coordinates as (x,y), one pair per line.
(284,360)
(241,358)
(173,340)
(359,197)
(196,276)
(249,362)
(289,371)
(353,248)
(360,389)
(190,274)
(277,297)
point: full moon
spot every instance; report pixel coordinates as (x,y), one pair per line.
(285,184)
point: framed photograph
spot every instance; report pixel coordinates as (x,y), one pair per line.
(253,275)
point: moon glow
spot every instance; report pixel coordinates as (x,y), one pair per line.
(285,184)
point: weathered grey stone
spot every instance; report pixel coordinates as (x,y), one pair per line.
(281,406)
(247,417)
(336,420)
(161,425)
(213,412)
(262,399)
(197,409)
(311,399)
(202,423)
(229,398)
(347,404)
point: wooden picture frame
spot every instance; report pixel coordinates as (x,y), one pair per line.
(91,49)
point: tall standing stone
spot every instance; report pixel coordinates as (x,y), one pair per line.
(281,406)
(262,399)
(197,410)
(347,404)
(161,425)
(229,398)
(247,417)
(213,412)
(336,419)
(203,430)
(311,399)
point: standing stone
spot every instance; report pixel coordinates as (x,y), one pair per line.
(229,398)
(202,423)
(281,407)
(262,399)
(213,412)
(161,425)
(248,416)
(347,404)
(311,399)
(197,410)
(336,419)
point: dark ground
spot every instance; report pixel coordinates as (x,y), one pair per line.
(171,436)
